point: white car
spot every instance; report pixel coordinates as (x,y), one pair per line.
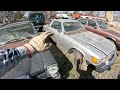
(65,16)
(97,50)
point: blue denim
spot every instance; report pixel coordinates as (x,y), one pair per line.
(10,58)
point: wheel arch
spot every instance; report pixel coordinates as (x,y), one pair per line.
(71,49)
(111,38)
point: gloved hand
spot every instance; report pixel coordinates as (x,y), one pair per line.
(39,43)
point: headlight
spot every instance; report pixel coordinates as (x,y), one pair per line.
(95,60)
(52,69)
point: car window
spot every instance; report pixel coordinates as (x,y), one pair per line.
(102,25)
(17,31)
(92,23)
(71,26)
(56,25)
(83,21)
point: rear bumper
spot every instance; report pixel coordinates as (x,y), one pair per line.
(103,66)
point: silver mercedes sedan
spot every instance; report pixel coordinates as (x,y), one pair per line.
(95,49)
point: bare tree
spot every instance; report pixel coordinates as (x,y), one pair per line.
(10,16)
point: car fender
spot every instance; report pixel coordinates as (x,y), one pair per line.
(79,51)
(111,38)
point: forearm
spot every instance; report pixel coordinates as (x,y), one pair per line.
(11,57)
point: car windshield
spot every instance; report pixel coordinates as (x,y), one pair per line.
(37,18)
(102,25)
(71,26)
(15,32)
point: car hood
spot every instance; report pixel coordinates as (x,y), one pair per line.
(95,40)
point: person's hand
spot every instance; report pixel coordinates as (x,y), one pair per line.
(40,43)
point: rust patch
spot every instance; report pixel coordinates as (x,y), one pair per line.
(12,45)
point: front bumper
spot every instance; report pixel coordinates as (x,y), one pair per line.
(102,67)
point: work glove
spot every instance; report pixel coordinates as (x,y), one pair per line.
(40,43)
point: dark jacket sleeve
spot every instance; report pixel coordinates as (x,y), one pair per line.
(10,58)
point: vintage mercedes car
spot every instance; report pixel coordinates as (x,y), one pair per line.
(99,27)
(40,66)
(96,50)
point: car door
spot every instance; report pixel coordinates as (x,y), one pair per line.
(56,29)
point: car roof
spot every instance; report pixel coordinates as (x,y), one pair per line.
(15,23)
(65,20)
